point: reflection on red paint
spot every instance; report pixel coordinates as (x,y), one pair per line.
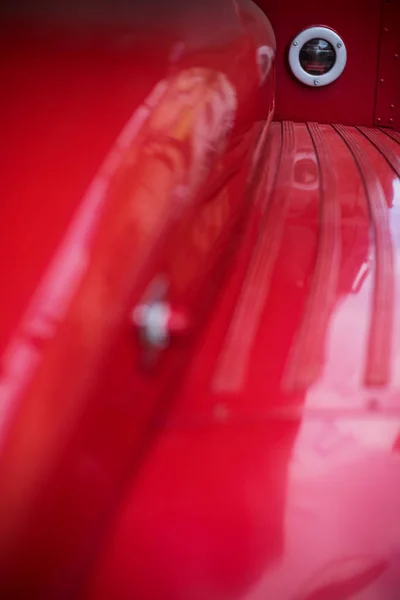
(232,448)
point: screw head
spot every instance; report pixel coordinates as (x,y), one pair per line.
(295,43)
(152,320)
(339,45)
(316,82)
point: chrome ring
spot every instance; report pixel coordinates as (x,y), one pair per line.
(329,36)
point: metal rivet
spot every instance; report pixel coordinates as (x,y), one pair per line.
(392,106)
(316,82)
(339,45)
(152,321)
(379,119)
(396,56)
(390,120)
(381,81)
(386,30)
(295,43)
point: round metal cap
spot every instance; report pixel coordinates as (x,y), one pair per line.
(317,56)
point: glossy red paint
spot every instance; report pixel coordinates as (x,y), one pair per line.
(256,489)
(349,100)
(79,391)
(255,456)
(387,109)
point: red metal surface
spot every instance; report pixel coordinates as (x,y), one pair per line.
(170,200)
(351,99)
(255,457)
(387,109)
(252,491)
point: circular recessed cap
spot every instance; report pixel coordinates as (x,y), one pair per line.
(317,56)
